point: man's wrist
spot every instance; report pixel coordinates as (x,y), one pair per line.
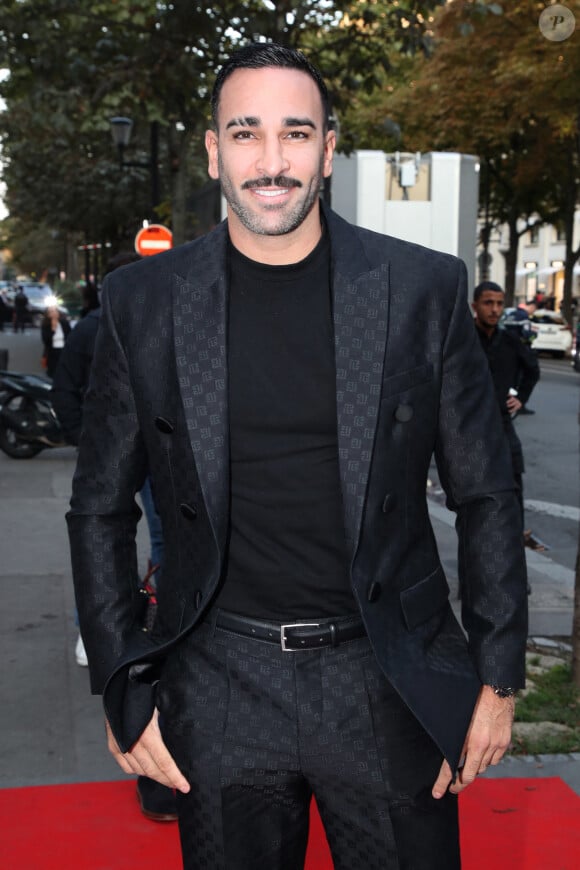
(503,691)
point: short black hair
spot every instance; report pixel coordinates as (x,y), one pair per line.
(486,285)
(262,55)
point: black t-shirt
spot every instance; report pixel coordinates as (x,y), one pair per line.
(287,554)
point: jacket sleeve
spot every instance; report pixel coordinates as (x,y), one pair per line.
(46,336)
(475,469)
(70,382)
(103,515)
(529,371)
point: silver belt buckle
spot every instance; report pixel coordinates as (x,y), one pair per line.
(294,625)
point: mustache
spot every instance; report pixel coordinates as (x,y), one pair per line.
(265,181)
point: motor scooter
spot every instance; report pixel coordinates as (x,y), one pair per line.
(28,423)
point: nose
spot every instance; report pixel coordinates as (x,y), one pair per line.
(272,160)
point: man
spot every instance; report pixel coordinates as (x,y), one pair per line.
(513,365)
(5,311)
(287,397)
(20,316)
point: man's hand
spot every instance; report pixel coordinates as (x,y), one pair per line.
(487,739)
(149,757)
(513,404)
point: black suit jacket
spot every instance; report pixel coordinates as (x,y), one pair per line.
(411,380)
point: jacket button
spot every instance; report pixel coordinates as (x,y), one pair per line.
(164,425)
(374,592)
(389,502)
(197,600)
(189,511)
(403,413)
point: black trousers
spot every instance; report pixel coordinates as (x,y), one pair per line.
(258,731)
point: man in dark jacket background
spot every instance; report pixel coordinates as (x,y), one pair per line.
(513,365)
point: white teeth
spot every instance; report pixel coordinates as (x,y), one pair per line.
(263,192)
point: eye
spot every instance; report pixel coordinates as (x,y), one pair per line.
(297,134)
(243,134)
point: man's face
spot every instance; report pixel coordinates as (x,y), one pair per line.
(270,151)
(488,308)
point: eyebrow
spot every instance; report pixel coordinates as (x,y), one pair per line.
(252,121)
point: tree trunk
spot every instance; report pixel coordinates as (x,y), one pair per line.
(569,263)
(571,200)
(180,185)
(511,260)
(571,254)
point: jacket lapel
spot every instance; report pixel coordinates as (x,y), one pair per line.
(199,323)
(360,311)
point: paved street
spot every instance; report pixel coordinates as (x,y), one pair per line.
(51,729)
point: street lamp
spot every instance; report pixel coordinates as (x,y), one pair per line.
(121,133)
(121,128)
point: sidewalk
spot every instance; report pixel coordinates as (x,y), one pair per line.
(52,728)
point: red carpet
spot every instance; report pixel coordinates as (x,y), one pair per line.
(507,824)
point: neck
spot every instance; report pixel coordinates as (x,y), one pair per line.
(277,250)
(488,330)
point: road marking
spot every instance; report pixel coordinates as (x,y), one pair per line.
(544,565)
(557,370)
(562,511)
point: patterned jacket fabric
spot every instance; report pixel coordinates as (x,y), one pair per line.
(411,381)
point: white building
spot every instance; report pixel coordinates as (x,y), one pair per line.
(540,265)
(430,199)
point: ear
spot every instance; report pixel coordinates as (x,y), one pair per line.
(329,146)
(211,146)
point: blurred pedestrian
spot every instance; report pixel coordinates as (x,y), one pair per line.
(513,365)
(54,329)
(21,314)
(90,298)
(5,312)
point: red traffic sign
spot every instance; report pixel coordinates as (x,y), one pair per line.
(153,240)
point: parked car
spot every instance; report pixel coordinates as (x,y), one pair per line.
(576,349)
(553,332)
(517,321)
(40,297)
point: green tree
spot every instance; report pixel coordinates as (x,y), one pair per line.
(73,66)
(496,87)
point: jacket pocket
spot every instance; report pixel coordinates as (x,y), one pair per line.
(425,598)
(403,381)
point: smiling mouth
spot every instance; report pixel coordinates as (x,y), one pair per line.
(271,187)
(271,193)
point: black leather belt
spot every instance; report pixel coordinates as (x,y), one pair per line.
(293,636)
